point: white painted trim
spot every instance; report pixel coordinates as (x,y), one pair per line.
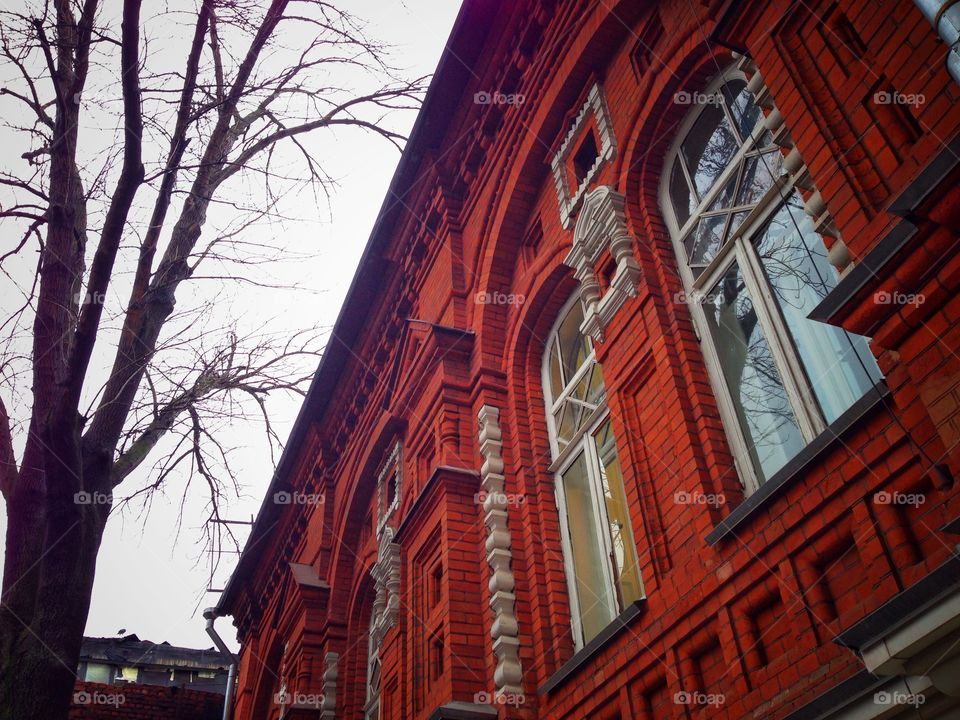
(504,630)
(569,199)
(393,462)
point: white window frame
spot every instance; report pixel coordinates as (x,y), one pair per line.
(582,441)
(797,387)
(371,706)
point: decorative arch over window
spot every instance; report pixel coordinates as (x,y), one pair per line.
(600,554)
(753,267)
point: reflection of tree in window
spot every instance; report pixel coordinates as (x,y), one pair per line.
(764,277)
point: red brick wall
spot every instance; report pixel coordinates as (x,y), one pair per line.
(95,701)
(752,618)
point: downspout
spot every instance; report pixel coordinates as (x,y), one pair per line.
(944,15)
(210,615)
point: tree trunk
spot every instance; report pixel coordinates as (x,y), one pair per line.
(40,640)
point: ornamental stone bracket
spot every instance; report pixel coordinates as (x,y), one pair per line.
(600,234)
(328,708)
(838,254)
(386,577)
(504,630)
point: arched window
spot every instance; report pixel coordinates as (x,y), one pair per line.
(754,267)
(599,550)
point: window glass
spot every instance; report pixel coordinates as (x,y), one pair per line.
(683,200)
(709,148)
(623,551)
(588,561)
(751,375)
(839,365)
(574,346)
(98,673)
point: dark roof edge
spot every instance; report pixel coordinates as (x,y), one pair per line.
(430,126)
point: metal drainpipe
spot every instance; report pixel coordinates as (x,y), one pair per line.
(210,615)
(944,15)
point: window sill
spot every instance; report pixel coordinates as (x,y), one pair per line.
(593,648)
(795,468)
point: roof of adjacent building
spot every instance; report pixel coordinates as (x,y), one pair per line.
(131,651)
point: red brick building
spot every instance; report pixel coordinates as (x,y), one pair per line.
(599,432)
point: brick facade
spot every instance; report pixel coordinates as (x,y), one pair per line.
(446,322)
(97,701)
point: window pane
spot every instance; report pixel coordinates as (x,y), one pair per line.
(724,198)
(705,240)
(624,562)
(709,147)
(556,380)
(740,101)
(593,594)
(839,365)
(98,673)
(757,178)
(759,398)
(574,347)
(683,200)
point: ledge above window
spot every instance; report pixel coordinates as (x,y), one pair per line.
(592,649)
(795,468)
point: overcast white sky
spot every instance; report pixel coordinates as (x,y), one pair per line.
(148,581)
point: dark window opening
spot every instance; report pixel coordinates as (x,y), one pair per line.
(585,157)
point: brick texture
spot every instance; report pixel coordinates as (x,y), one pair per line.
(476,258)
(95,701)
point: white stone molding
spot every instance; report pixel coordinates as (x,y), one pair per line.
(328,708)
(504,631)
(838,255)
(569,198)
(602,229)
(386,577)
(391,466)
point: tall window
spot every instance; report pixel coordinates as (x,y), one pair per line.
(754,267)
(599,551)
(371,708)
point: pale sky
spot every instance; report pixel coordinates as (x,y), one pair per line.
(150,582)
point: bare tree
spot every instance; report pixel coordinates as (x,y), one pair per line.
(190,130)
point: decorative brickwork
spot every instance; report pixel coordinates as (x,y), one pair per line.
(511,210)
